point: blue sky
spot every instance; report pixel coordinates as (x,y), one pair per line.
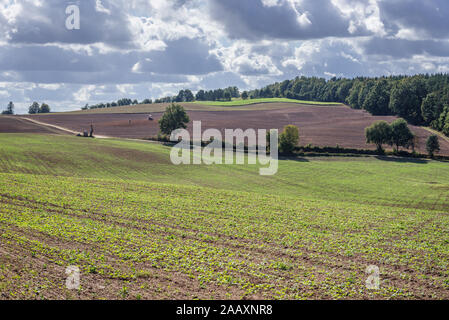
(152,48)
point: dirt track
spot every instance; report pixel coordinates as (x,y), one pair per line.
(322,126)
(13,124)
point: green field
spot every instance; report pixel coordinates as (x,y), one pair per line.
(141,228)
(237,105)
(240,102)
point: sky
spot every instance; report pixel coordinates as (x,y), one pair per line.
(153,48)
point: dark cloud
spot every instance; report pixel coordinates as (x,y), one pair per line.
(52,64)
(429,16)
(401,48)
(47,58)
(251,19)
(182,56)
(46,23)
(247,69)
(114,76)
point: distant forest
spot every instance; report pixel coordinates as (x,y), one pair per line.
(420,99)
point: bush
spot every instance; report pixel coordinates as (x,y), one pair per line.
(289,139)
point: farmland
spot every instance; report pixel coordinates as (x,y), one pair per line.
(234,105)
(141,228)
(319,125)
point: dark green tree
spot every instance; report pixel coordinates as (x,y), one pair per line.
(432,145)
(188,96)
(364,91)
(353,99)
(227,96)
(378,133)
(401,135)
(200,95)
(175,117)
(34,108)
(9,108)
(378,99)
(432,107)
(289,139)
(45,108)
(406,99)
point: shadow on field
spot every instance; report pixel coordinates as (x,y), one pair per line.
(402,160)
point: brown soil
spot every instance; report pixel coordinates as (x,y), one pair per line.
(13,124)
(321,126)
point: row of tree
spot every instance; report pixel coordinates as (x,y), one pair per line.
(420,99)
(36,108)
(397,134)
(118,103)
(184,95)
(187,95)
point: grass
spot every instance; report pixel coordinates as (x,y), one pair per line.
(140,227)
(242,105)
(241,102)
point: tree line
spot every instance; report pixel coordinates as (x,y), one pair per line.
(184,95)
(118,103)
(420,99)
(397,135)
(187,95)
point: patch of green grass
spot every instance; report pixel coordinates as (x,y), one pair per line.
(241,102)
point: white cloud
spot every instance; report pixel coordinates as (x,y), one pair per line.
(84,94)
(147,49)
(303,54)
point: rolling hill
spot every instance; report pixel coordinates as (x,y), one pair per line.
(139,227)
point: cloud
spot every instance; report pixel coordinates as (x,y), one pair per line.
(43,22)
(401,48)
(428,18)
(298,20)
(148,49)
(183,56)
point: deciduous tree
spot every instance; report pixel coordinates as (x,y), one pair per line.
(175,117)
